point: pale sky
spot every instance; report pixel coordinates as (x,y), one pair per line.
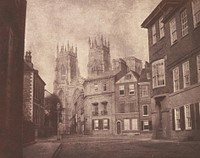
(50,22)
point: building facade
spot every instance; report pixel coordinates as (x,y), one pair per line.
(144,87)
(126,104)
(33,96)
(99,102)
(67,80)
(174,48)
(12,30)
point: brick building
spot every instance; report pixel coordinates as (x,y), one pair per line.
(144,87)
(174,53)
(12,30)
(33,96)
(126,104)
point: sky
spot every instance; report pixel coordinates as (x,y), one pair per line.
(55,22)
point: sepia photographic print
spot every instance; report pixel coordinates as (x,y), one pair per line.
(99,79)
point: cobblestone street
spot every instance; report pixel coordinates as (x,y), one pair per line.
(125,147)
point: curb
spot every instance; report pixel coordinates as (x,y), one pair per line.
(55,154)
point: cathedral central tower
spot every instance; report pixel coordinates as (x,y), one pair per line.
(99,56)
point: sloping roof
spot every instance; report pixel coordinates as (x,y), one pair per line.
(159,11)
(132,79)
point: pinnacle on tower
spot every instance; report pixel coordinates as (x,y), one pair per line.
(68,45)
(89,41)
(76,49)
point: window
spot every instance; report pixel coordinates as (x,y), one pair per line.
(144,91)
(196,12)
(154,34)
(96,124)
(126,124)
(198,67)
(186,74)
(145,125)
(177,119)
(161,28)
(96,87)
(184,23)
(173,32)
(158,73)
(63,72)
(133,107)
(145,110)
(188,121)
(104,111)
(95,109)
(122,107)
(134,124)
(121,90)
(148,76)
(176,79)
(105,124)
(131,89)
(104,87)
(128,77)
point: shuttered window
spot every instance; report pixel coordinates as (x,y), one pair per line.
(173,31)
(188,121)
(134,124)
(196,12)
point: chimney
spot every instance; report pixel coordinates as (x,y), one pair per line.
(28,59)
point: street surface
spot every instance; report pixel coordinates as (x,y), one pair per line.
(126,147)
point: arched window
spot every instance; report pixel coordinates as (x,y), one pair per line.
(63,72)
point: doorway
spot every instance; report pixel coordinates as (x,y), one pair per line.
(118,127)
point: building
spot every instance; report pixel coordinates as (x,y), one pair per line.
(144,87)
(174,53)
(12,30)
(126,104)
(67,80)
(33,97)
(99,101)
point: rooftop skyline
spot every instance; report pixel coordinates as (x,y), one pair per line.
(55,22)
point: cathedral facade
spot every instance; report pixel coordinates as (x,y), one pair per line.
(67,80)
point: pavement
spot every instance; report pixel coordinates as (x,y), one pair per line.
(126,147)
(43,148)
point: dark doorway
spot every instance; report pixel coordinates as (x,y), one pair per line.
(118,128)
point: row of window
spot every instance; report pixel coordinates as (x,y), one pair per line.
(96,87)
(103,107)
(186,117)
(173,25)
(100,124)
(132,124)
(158,74)
(144,90)
(131,88)
(186,75)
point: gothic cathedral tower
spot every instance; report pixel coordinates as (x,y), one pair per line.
(66,72)
(99,57)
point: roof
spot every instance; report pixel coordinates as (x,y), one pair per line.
(158,11)
(27,67)
(107,74)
